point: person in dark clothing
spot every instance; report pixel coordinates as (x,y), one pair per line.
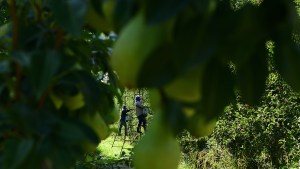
(123,119)
(140,115)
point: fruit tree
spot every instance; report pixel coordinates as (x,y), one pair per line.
(61,68)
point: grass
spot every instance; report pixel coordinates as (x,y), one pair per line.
(110,154)
(107,148)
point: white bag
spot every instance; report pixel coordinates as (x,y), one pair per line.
(145,111)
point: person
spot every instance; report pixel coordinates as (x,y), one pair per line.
(139,113)
(123,119)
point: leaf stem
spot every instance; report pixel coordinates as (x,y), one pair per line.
(15,37)
(59,38)
(15,24)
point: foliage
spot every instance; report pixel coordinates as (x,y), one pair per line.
(264,136)
(209,35)
(256,137)
(48,94)
(269,132)
(57,72)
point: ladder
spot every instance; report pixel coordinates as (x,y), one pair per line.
(132,135)
(131,138)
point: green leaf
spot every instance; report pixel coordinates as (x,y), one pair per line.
(287,59)
(4,94)
(124,11)
(70,133)
(70,14)
(4,67)
(16,152)
(82,53)
(174,116)
(159,11)
(5,35)
(62,157)
(251,76)
(195,41)
(40,68)
(4,29)
(217,89)
(97,5)
(97,95)
(279,16)
(153,73)
(23,151)
(22,58)
(43,66)
(9,151)
(191,46)
(240,44)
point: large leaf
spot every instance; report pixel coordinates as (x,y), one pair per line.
(251,76)
(70,14)
(239,43)
(96,95)
(194,40)
(279,16)
(24,149)
(16,151)
(190,47)
(62,157)
(217,89)
(5,35)
(286,52)
(43,66)
(287,59)
(124,11)
(175,118)
(4,29)
(70,132)
(4,67)
(4,93)
(158,11)
(158,69)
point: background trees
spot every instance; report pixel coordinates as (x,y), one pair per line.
(262,136)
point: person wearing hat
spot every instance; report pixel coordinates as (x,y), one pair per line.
(139,113)
(123,119)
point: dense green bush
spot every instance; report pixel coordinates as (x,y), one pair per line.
(262,136)
(266,136)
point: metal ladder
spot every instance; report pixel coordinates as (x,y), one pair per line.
(131,138)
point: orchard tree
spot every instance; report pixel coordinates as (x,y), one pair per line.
(57,89)
(186,50)
(58,78)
